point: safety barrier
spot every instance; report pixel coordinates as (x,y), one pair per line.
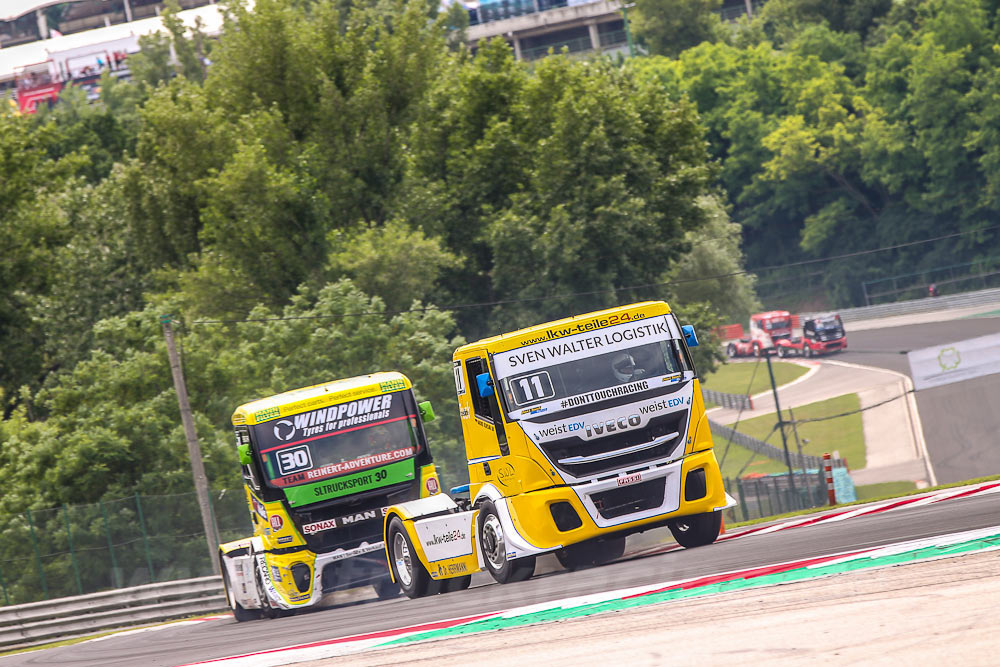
(734,401)
(38,622)
(801,461)
(980,298)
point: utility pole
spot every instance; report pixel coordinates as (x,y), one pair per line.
(194,449)
(781,427)
(628,29)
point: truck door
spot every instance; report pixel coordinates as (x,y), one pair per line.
(485,437)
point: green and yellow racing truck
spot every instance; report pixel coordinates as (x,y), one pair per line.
(320,467)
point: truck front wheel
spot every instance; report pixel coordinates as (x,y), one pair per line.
(494,549)
(239,613)
(696,530)
(410,573)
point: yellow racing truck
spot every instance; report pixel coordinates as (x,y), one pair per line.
(320,467)
(577,433)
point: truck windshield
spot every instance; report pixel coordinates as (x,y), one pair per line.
(591,367)
(340,439)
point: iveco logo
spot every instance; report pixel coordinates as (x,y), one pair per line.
(284,430)
(612,425)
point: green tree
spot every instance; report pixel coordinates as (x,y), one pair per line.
(669,27)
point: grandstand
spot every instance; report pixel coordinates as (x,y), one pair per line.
(48,44)
(36,70)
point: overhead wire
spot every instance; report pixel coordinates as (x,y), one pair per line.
(681,281)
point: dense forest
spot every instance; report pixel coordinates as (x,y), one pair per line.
(330,189)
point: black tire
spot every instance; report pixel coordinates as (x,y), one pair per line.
(696,530)
(807,352)
(756,349)
(782,351)
(493,546)
(731,351)
(266,610)
(408,571)
(591,553)
(386,589)
(456,584)
(239,613)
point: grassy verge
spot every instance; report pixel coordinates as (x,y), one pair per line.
(735,378)
(891,489)
(844,434)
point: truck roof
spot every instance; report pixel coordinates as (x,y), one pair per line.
(318,395)
(578,323)
(771,314)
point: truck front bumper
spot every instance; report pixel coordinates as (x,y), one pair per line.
(625,503)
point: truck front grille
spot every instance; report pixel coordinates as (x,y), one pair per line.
(657,427)
(630,499)
(348,535)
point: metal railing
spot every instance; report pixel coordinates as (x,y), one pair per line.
(38,622)
(800,461)
(576,45)
(928,304)
(734,401)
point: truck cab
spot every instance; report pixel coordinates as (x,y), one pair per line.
(819,334)
(320,466)
(766,331)
(578,433)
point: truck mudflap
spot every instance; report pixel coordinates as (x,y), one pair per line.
(440,534)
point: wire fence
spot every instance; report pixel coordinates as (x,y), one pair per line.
(78,549)
(771,495)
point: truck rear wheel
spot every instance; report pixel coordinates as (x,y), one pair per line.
(494,549)
(385,589)
(731,351)
(696,530)
(455,584)
(591,553)
(807,351)
(409,572)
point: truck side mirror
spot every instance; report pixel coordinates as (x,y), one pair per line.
(426,411)
(485,385)
(244,453)
(689,335)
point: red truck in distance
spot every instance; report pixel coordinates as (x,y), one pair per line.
(766,330)
(820,334)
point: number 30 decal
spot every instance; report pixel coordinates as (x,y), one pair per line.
(294,459)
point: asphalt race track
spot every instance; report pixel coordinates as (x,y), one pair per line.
(961,421)
(218,638)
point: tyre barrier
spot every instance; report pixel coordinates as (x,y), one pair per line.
(40,622)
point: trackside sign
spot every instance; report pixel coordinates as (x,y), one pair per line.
(954,362)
